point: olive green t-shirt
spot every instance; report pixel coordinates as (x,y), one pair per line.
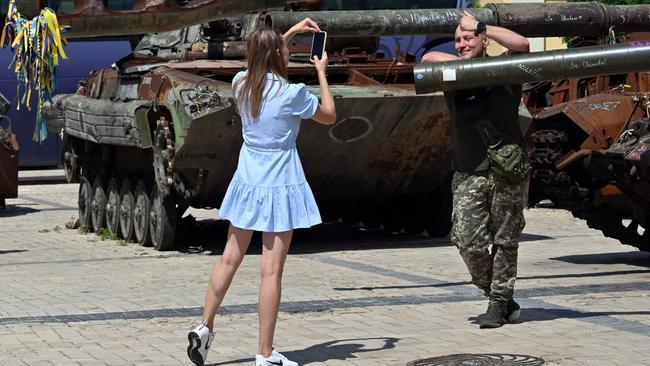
(473,107)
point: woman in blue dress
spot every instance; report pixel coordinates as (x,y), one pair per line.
(268,192)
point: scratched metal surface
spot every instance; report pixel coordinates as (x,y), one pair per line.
(533,67)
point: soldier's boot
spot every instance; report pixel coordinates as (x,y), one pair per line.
(495,316)
(513,310)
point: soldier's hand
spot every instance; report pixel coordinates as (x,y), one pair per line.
(468,22)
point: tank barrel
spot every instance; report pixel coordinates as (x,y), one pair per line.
(530,20)
(539,66)
(91,18)
(379,22)
(571,19)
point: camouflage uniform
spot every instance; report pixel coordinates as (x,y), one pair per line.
(488,211)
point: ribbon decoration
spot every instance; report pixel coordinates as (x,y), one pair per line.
(38,47)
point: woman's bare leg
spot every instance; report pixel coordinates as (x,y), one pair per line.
(224,271)
(274,253)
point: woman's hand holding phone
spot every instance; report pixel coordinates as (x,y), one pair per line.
(320,62)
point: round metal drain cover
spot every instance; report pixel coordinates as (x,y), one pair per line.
(479,360)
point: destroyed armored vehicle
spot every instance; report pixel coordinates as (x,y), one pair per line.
(588,141)
(590,156)
(158,132)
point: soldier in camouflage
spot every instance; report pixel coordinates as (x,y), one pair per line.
(487,209)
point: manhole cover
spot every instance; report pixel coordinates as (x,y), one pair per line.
(479,360)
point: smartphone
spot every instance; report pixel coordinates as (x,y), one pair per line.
(318,44)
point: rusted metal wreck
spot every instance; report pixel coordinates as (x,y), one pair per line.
(158,132)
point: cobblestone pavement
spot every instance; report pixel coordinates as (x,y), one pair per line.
(350,297)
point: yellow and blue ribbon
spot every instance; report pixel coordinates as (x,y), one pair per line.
(38,47)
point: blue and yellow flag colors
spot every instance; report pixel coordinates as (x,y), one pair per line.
(38,47)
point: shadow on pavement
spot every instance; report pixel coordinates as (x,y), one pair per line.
(533,237)
(12,251)
(634,258)
(210,235)
(541,314)
(344,349)
(463,283)
(13,210)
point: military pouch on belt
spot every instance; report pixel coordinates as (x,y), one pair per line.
(508,160)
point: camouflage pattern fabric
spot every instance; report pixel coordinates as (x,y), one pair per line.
(488,211)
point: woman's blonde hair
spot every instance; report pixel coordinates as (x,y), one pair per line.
(264,49)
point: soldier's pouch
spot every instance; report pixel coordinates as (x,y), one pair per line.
(509,161)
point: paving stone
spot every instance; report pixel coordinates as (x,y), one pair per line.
(349,297)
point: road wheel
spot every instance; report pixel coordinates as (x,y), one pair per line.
(112,206)
(98,205)
(71,165)
(84,202)
(141,214)
(162,220)
(125,212)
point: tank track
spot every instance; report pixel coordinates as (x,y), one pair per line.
(565,192)
(548,183)
(611,225)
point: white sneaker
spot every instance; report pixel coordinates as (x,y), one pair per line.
(276,359)
(200,339)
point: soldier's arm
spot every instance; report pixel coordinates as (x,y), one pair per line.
(514,42)
(435,56)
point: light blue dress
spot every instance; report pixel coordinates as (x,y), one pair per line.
(269,192)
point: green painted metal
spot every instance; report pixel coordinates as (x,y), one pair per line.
(142,124)
(182,122)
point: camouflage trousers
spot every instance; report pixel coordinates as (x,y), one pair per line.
(488,212)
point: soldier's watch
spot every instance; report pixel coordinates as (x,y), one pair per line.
(480,28)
